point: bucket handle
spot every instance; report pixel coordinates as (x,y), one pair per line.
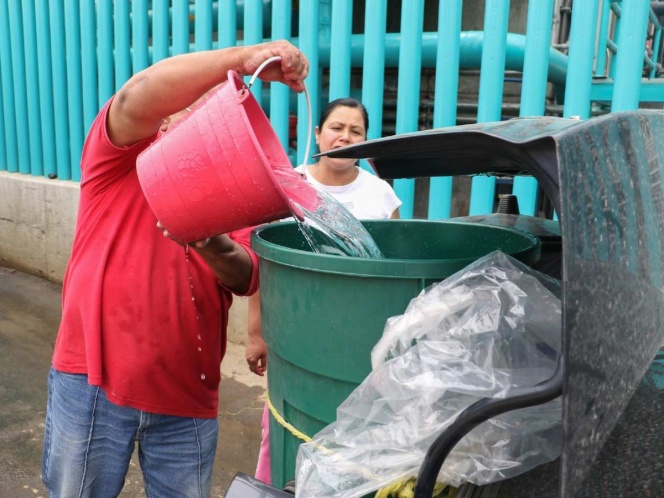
(306,95)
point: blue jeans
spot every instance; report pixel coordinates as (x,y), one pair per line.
(88,443)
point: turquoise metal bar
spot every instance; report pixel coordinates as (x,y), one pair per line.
(139,35)
(20,94)
(580,64)
(60,96)
(496,16)
(36,166)
(408,93)
(74,91)
(253,33)
(3,141)
(9,119)
(160,30)
(105,51)
(373,64)
(650,91)
(308,44)
(279,93)
(373,68)
(533,89)
(89,63)
(46,120)
(603,39)
(445,96)
(226,23)
(180,27)
(617,11)
(655,50)
(122,43)
(342,23)
(628,67)
(203,24)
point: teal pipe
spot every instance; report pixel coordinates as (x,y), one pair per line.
(617,10)
(533,89)
(446,96)
(602,40)
(139,34)
(342,22)
(89,63)
(74,98)
(309,19)
(279,94)
(9,120)
(122,42)
(253,34)
(226,18)
(58,56)
(655,51)
(628,68)
(105,51)
(408,94)
(47,120)
(203,24)
(32,84)
(20,94)
(373,72)
(180,27)
(496,16)
(580,62)
(160,30)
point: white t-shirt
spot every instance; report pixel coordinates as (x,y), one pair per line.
(367,197)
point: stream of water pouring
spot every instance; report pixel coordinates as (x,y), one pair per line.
(327,225)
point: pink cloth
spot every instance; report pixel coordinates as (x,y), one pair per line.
(263,467)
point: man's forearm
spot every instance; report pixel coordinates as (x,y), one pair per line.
(229,261)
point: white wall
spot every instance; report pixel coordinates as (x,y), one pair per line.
(37,219)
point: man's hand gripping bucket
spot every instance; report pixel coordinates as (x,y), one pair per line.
(222,168)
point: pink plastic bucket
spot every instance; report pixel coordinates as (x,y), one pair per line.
(214,171)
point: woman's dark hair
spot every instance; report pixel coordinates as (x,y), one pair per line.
(347,102)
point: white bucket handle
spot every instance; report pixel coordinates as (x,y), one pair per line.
(306,95)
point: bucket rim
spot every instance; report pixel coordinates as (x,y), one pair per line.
(389,267)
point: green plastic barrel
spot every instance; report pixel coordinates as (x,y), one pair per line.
(322,314)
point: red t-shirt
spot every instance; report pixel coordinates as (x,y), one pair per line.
(137,318)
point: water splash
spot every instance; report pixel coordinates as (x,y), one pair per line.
(327,225)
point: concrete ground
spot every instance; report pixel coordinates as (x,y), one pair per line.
(29,318)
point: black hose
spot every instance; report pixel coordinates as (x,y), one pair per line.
(474,415)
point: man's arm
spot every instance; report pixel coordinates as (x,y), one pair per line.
(173,84)
(229,261)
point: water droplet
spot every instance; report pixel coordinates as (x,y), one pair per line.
(202,376)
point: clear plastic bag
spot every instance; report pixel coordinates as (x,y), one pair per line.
(492,326)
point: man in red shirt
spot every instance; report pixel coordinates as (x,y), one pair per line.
(144,319)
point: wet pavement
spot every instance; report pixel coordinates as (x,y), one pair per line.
(29,318)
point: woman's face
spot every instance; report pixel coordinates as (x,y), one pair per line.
(344,126)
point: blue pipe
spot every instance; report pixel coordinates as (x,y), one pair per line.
(226,22)
(253,33)
(9,111)
(581,53)
(122,42)
(47,119)
(32,84)
(279,94)
(20,94)
(140,29)
(74,98)
(105,51)
(180,27)
(160,30)
(533,90)
(446,96)
(58,56)
(628,68)
(489,107)
(203,24)
(342,21)
(309,40)
(408,94)
(89,63)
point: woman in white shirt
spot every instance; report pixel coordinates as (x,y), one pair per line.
(343,122)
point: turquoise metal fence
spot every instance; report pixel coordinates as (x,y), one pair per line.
(61,61)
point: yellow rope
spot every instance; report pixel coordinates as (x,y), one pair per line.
(401,489)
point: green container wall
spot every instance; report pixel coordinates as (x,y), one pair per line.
(322,314)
